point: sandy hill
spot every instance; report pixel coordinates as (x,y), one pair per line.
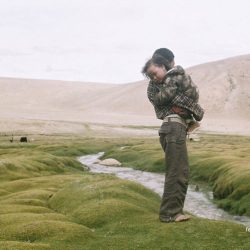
(224,93)
(224,86)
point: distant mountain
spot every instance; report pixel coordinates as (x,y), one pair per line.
(224,86)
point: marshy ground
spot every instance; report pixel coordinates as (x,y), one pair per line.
(48,201)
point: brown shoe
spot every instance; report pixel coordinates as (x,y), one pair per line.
(182,217)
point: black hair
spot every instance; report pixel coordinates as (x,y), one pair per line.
(158,61)
(166,53)
(145,68)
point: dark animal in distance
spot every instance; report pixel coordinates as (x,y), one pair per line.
(23,139)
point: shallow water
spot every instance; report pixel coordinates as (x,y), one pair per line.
(198,203)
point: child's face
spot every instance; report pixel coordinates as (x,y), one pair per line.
(156,73)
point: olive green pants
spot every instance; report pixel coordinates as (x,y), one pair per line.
(173,141)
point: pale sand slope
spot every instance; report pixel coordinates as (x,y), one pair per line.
(58,106)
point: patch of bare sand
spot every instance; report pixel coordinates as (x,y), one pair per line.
(23,127)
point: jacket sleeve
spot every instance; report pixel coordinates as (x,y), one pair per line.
(188,87)
(161,94)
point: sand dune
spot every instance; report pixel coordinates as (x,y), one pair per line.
(224,86)
(224,93)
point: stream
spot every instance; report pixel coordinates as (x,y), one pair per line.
(198,203)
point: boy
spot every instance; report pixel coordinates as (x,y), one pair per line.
(173,96)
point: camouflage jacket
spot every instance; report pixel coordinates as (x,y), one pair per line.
(177,81)
(177,89)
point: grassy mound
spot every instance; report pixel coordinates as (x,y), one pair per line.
(26,218)
(26,163)
(226,166)
(104,200)
(16,245)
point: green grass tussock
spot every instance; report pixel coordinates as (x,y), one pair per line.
(227,171)
(25,166)
(29,178)
(16,245)
(29,208)
(26,217)
(91,203)
(46,230)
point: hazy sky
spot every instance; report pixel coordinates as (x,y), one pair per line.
(110,40)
